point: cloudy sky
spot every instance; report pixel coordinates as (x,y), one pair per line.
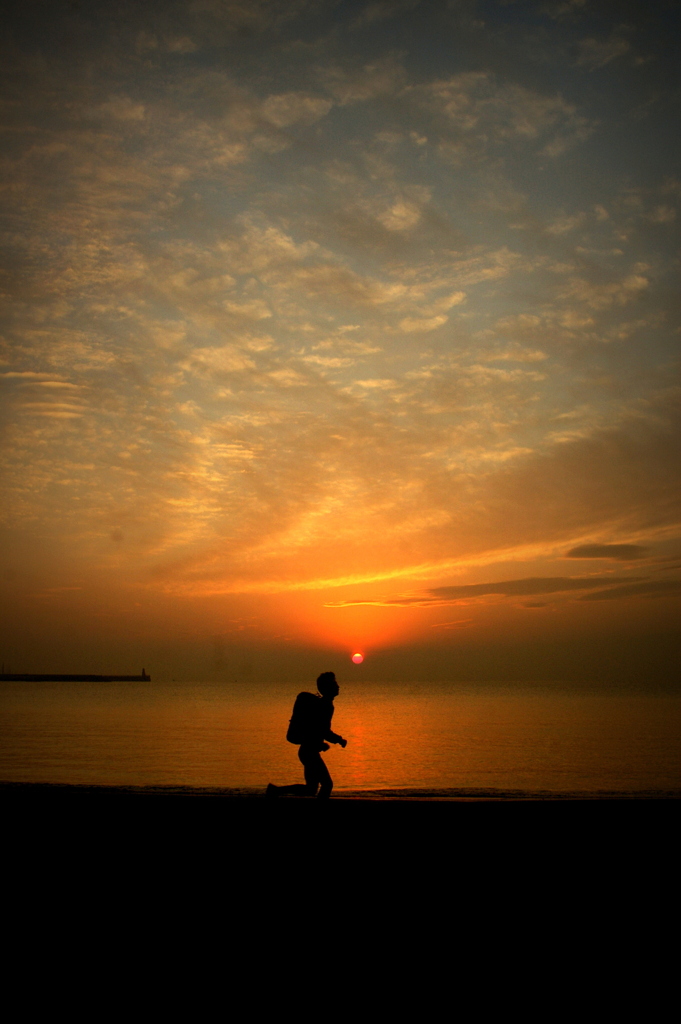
(336,326)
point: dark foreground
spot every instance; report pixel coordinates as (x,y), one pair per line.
(244,827)
(176,874)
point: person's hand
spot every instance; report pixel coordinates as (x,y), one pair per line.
(343,743)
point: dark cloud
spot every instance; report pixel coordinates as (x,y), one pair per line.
(618,552)
(516,588)
(651,588)
(523,588)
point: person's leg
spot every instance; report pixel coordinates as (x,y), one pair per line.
(275,791)
(316,773)
(297,787)
(311,765)
(325,781)
(311,762)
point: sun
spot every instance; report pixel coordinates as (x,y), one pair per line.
(358,658)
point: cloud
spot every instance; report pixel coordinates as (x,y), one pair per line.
(448,301)
(563,225)
(602,296)
(483,111)
(517,354)
(255,309)
(663,215)
(455,624)
(401,216)
(336,283)
(618,552)
(380,384)
(56,410)
(123,108)
(596,53)
(261,246)
(410,324)
(25,375)
(149,42)
(381,77)
(225,359)
(292,108)
(381,10)
(492,265)
(332,362)
(180,44)
(652,588)
(506,588)
(522,588)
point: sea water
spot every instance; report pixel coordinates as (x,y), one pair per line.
(419,737)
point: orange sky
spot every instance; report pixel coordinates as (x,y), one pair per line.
(316,318)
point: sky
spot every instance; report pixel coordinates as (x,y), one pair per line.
(334,327)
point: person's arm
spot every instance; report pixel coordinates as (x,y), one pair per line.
(329,735)
(333,737)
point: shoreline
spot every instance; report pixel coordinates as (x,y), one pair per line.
(104,792)
(240,842)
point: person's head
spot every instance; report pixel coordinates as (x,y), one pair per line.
(327,685)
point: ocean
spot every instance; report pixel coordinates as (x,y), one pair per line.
(411,739)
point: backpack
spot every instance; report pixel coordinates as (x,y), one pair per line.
(304,720)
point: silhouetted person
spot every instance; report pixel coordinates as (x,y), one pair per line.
(311,727)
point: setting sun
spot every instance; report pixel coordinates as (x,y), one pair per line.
(358,658)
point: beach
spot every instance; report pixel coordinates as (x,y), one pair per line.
(462,850)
